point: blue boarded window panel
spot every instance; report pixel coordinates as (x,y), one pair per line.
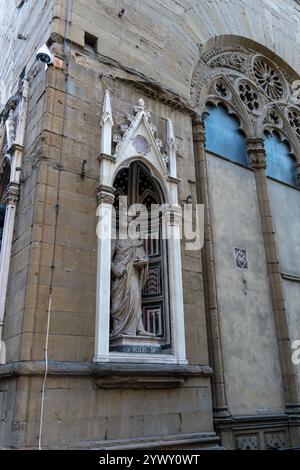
(280,165)
(223,136)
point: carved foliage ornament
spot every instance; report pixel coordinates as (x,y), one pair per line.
(295,91)
(233,61)
(294,120)
(140,143)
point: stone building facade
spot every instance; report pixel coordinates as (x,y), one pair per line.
(210,88)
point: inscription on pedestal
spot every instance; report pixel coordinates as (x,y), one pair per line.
(136,345)
(138,349)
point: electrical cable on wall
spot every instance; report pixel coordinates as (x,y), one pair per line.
(66,56)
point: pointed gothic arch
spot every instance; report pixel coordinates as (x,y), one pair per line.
(137,182)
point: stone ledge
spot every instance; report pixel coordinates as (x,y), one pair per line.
(249,422)
(111,375)
(202,440)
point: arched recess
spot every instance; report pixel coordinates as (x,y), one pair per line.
(137,183)
(136,167)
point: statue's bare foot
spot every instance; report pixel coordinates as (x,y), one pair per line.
(144,333)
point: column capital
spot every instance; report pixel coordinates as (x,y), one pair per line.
(199,134)
(256,153)
(298,172)
(105,194)
(17,148)
(12,193)
(106,156)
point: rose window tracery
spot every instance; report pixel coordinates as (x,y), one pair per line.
(268,78)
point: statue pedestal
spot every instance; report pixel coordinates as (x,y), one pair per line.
(135,344)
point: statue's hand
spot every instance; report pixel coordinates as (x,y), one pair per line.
(140,262)
(121,273)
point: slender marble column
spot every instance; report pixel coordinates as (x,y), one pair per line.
(212,310)
(175,282)
(11,199)
(104,232)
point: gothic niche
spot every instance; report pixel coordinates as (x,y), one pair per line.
(139,274)
(139,285)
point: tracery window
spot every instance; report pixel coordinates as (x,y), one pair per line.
(238,81)
(280,164)
(223,135)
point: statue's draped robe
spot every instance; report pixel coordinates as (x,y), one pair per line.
(126,292)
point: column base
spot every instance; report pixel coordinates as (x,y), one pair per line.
(292,409)
(2,352)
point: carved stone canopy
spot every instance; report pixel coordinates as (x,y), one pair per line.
(138,138)
(140,142)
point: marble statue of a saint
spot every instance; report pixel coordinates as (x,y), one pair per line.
(130,270)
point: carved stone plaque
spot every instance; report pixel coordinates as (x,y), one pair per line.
(141,144)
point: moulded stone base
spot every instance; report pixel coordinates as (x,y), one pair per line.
(135,344)
(2,352)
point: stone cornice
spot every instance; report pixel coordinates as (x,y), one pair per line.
(132,77)
(172,179)
(111,375)
(269,420)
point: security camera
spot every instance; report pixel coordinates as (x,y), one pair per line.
(44,56)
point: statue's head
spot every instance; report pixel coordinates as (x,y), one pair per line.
(125,221)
